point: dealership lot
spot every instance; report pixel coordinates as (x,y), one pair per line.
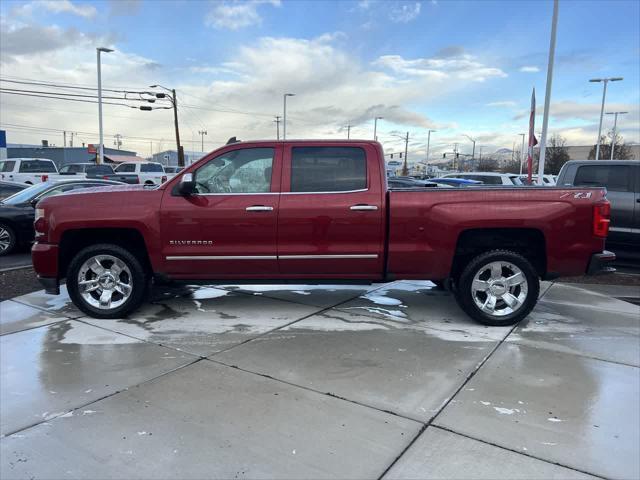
(389,380)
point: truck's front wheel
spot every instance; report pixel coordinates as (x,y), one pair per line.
(106,281)
(498,288)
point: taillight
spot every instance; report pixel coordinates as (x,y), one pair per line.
(601,219)
(40,224)
(45,178)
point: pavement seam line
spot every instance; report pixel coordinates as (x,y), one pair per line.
(446,403)
(61,414)
(525,454)
(36,326)
(42,309)
(309,389)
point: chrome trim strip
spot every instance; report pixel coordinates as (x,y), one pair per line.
(237,194)
(222,257)
(267,257)
(324,193)
(313,257)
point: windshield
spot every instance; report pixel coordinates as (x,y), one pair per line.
(27,194)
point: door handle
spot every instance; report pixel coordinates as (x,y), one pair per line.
(259,208)
(363,207)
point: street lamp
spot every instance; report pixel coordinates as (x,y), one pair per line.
(174,102)
(604,94)
(429,142)
(284,115)
(613,133)
(100,157)
(473,154)
(375,127)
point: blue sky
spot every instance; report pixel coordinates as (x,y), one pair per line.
(459,67)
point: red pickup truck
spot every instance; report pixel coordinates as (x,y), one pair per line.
(316,212)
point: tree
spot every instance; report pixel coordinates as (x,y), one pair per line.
(556,155)
(622,151)
(488,164)
(511,166)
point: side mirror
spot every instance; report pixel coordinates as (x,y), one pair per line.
(187,185)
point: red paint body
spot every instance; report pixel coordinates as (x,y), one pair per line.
(413,234)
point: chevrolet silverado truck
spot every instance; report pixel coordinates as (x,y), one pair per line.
(316,212)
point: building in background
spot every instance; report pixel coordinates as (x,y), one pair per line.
(64,155)
(169,158)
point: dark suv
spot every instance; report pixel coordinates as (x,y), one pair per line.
(622,180)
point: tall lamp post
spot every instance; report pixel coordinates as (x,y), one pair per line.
(100,157)
(613,133)
(604,94)
(174,102)
(284,115)
(429,142)
(202,133)
(473,153)
(375,128)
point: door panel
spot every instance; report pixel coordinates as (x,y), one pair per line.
(223,231)
(330,232)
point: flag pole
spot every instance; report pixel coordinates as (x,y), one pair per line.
(547,95)
(532,136)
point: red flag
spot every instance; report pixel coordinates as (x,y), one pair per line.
(532,137)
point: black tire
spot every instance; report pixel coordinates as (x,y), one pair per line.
(465,295)
(139,280)
(9,235)
(439,284)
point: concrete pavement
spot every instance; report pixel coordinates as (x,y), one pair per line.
(386,381)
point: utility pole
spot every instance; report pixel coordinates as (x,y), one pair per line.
(202,133)
(480,153)
(175,121)
(284,115)
(64,138)
(455,155)
(100,156)
(348,132)
(522,151)
(375,128)
(613,133)
(405,166)
(277,122)
(117,140)
(71,142)
(604,94)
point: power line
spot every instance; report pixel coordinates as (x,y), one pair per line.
(63,98)
(67,86)
(7,90)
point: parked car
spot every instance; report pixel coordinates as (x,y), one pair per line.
(457,182)
(149,173)
(28,170)
(489,178)
(321,210)
(547,180)
(411,182)
(86,170)
(17,211)
(9,188)
(173,170)
(622,181)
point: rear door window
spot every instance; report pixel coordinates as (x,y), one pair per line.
(126,168)
(151,168)
(37,166)
(616,178)
(328,169)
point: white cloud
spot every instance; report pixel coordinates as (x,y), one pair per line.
(405,12)
(529,69)
(235,15)
(56,6)
(504,103)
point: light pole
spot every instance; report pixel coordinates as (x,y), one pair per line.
(100,157)
(613,133)
(375,127)
(473,153)
(604,94)
(284,115)
(405,165)
(522,151)
(202,133)
(277,122)
(429,142)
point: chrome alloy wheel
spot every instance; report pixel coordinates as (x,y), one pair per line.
(499,289)
(5,239)
(105,282)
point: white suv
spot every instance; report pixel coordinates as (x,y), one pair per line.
(28,170)
(149,173)
(490,178)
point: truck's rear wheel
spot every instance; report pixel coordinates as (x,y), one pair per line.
(106,281)
(498,288)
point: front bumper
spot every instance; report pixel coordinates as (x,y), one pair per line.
(598,264)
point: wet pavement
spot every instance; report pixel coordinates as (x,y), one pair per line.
(390,380)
